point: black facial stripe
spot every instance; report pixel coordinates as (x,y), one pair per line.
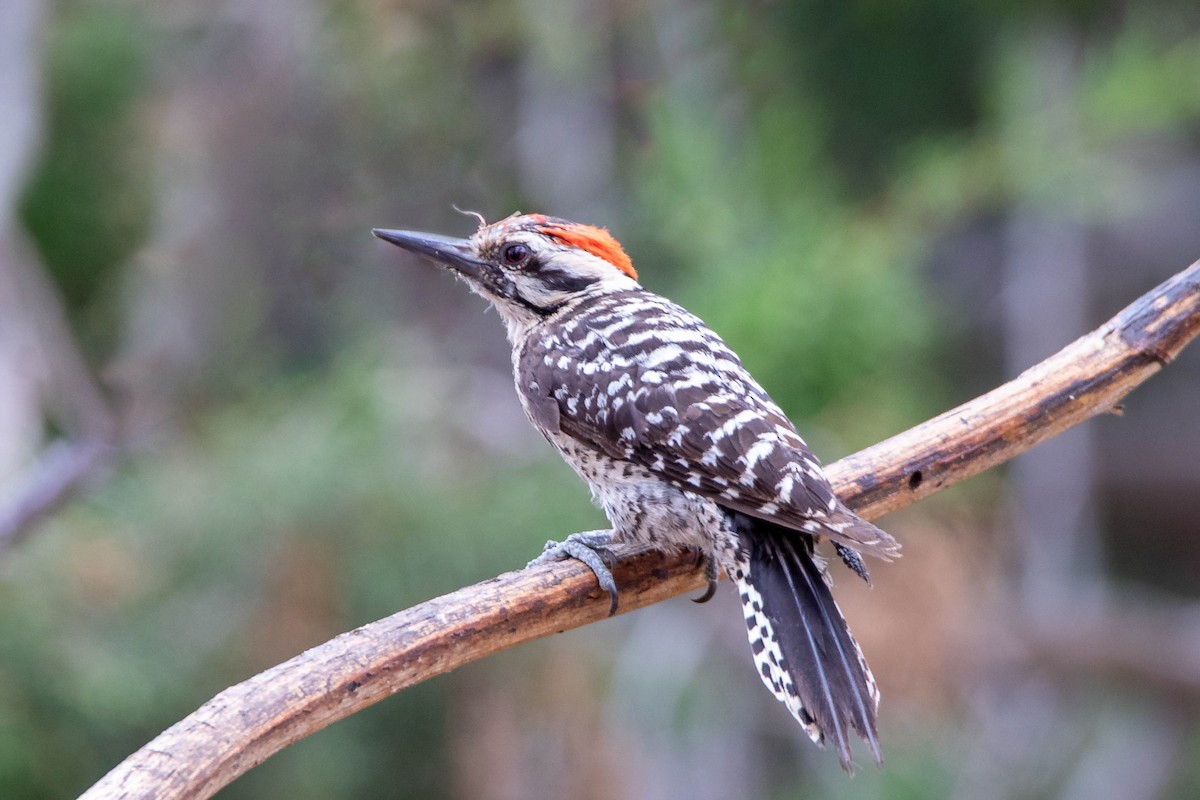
(541,311)
(559,280)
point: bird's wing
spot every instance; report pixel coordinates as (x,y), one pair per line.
(680,404)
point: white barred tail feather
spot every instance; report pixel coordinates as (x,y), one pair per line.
(803,649)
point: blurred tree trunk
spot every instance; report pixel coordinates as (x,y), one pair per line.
(566,127)
(42,374)
(21,372)
(1046,296)
(227,275)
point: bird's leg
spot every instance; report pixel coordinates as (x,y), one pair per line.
(590,547)
(712,572)
(853,559)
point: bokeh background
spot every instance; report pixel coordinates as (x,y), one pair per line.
(279,429)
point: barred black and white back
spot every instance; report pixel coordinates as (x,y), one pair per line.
(681,447)
(636,391)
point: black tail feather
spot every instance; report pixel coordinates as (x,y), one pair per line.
(804,650)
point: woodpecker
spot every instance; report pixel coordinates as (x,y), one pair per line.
(680,447)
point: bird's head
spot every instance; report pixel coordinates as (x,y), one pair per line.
(527,265)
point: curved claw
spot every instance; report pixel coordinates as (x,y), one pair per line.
(612,593)
(713,573)
(708,593)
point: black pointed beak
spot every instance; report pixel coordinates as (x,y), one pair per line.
(454,253)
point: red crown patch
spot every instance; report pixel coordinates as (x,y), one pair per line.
(597,241)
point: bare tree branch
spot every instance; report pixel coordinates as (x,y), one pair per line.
(62,469)
(67,391)
(247,723)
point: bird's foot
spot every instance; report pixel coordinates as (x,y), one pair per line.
(590,547)
(712,573)
(854,560)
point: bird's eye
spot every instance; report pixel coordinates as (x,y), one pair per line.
(515,254)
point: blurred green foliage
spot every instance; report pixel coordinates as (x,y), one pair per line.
(269,527)
(89,203)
